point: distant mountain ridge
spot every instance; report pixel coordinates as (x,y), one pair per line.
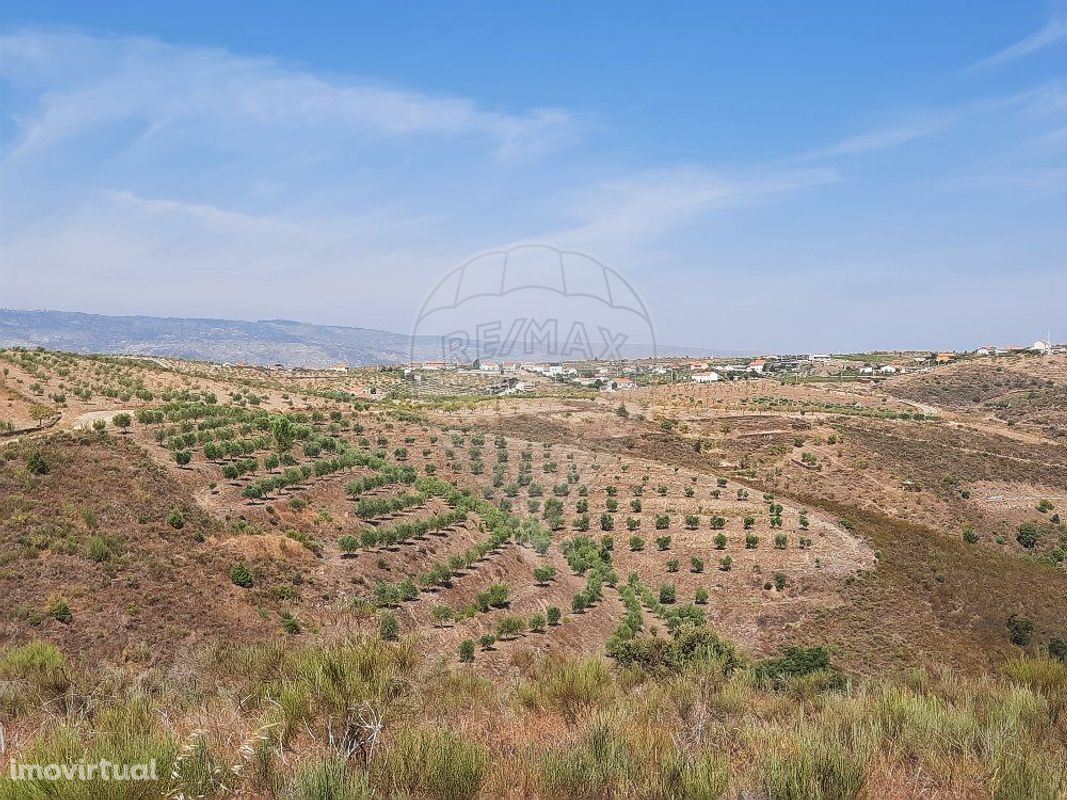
(262,342)
(276,341)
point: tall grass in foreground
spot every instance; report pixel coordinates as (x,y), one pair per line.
(361,718)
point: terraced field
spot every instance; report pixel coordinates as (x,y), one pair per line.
(180,516)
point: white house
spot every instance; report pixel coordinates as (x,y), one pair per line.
(554,370)
(889,369)
(706,377)
(756,365)
(1040,347)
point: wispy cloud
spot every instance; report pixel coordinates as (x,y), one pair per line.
(638,208)
(901,132)
(1051,33)
(167,89)
(191,180)
(1046,101)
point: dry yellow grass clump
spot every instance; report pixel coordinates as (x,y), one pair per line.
(359,718)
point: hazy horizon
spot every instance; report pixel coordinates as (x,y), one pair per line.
(666,349)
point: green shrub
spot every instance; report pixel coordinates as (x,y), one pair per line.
(797,662)
(686,646)
(466,651)
(240,575)
(442,614)
(61,612)
(543,573)
(1057,648)
(388,626)
(1026,535)
(1020,630)
(98,549)
(580,602)
(37,464)
(289,623)
(496,596)
(509,627)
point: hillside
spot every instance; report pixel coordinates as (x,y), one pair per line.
(586,569)
(1029,392)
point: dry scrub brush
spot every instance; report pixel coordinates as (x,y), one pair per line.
(360,718)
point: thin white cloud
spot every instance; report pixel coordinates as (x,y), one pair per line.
(1053,31)
(639,208)
(166,88)
(886,138)
(1047,99)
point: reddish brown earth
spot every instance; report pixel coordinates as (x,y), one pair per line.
(894,584)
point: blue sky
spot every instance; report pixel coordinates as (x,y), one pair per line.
(771,176)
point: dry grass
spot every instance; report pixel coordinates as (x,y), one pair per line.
(362,718)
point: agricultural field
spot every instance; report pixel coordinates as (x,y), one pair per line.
(675,591)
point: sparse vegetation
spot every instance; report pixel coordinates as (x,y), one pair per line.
(360,576)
